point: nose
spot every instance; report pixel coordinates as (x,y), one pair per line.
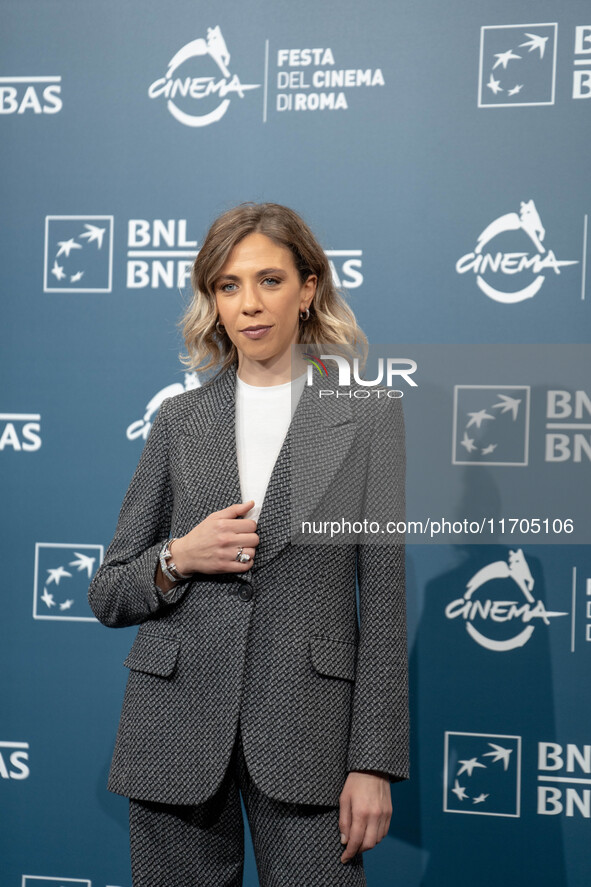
(251,300)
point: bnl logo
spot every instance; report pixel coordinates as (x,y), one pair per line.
(491,425)
(482,774)
(78,254)
(565,777)
(517,65)
(62,575)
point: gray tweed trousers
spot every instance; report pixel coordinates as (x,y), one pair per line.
(202,845)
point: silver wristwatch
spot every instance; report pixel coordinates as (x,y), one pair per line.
(169,569)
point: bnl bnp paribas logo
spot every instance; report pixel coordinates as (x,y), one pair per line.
(14,760)
(20,432)
(483,775)
(78,254)
(63,572)
(160,254)
(510,261)
(518,65)
(36,94)
(199,83)
(491,425)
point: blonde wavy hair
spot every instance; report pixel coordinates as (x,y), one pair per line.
(331,320)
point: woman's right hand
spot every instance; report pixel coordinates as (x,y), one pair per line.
(212,546)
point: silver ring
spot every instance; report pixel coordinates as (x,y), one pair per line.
(242,558)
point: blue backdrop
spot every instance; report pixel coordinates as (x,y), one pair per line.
(439,152)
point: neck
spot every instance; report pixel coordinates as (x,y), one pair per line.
(273,372)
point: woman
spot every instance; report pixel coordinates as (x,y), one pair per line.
(249,671)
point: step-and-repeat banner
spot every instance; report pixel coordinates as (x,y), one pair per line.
(440,154)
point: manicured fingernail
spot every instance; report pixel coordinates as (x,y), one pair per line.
(343,839)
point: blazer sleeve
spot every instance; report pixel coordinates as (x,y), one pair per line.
(379,736)
(123,591)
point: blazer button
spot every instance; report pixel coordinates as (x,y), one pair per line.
(245,593)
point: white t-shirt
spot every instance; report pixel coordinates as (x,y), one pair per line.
(263,414)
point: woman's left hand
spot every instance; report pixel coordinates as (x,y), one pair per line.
(365,811)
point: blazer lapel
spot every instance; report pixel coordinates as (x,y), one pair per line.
(210,460)
(318,439)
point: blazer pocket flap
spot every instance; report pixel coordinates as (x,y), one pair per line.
(333,657)
(154,654)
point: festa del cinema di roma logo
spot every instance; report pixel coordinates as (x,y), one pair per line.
(504,265)
(497,611)
(141,427)
(208,91)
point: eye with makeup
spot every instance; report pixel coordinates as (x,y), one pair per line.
(230,287)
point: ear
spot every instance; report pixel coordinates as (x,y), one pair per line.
(308,291)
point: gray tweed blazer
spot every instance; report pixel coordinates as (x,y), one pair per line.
(278,647)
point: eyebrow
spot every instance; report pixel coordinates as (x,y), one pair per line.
(263,271)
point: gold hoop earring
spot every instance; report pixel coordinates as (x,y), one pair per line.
(304,315)
(219,327)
